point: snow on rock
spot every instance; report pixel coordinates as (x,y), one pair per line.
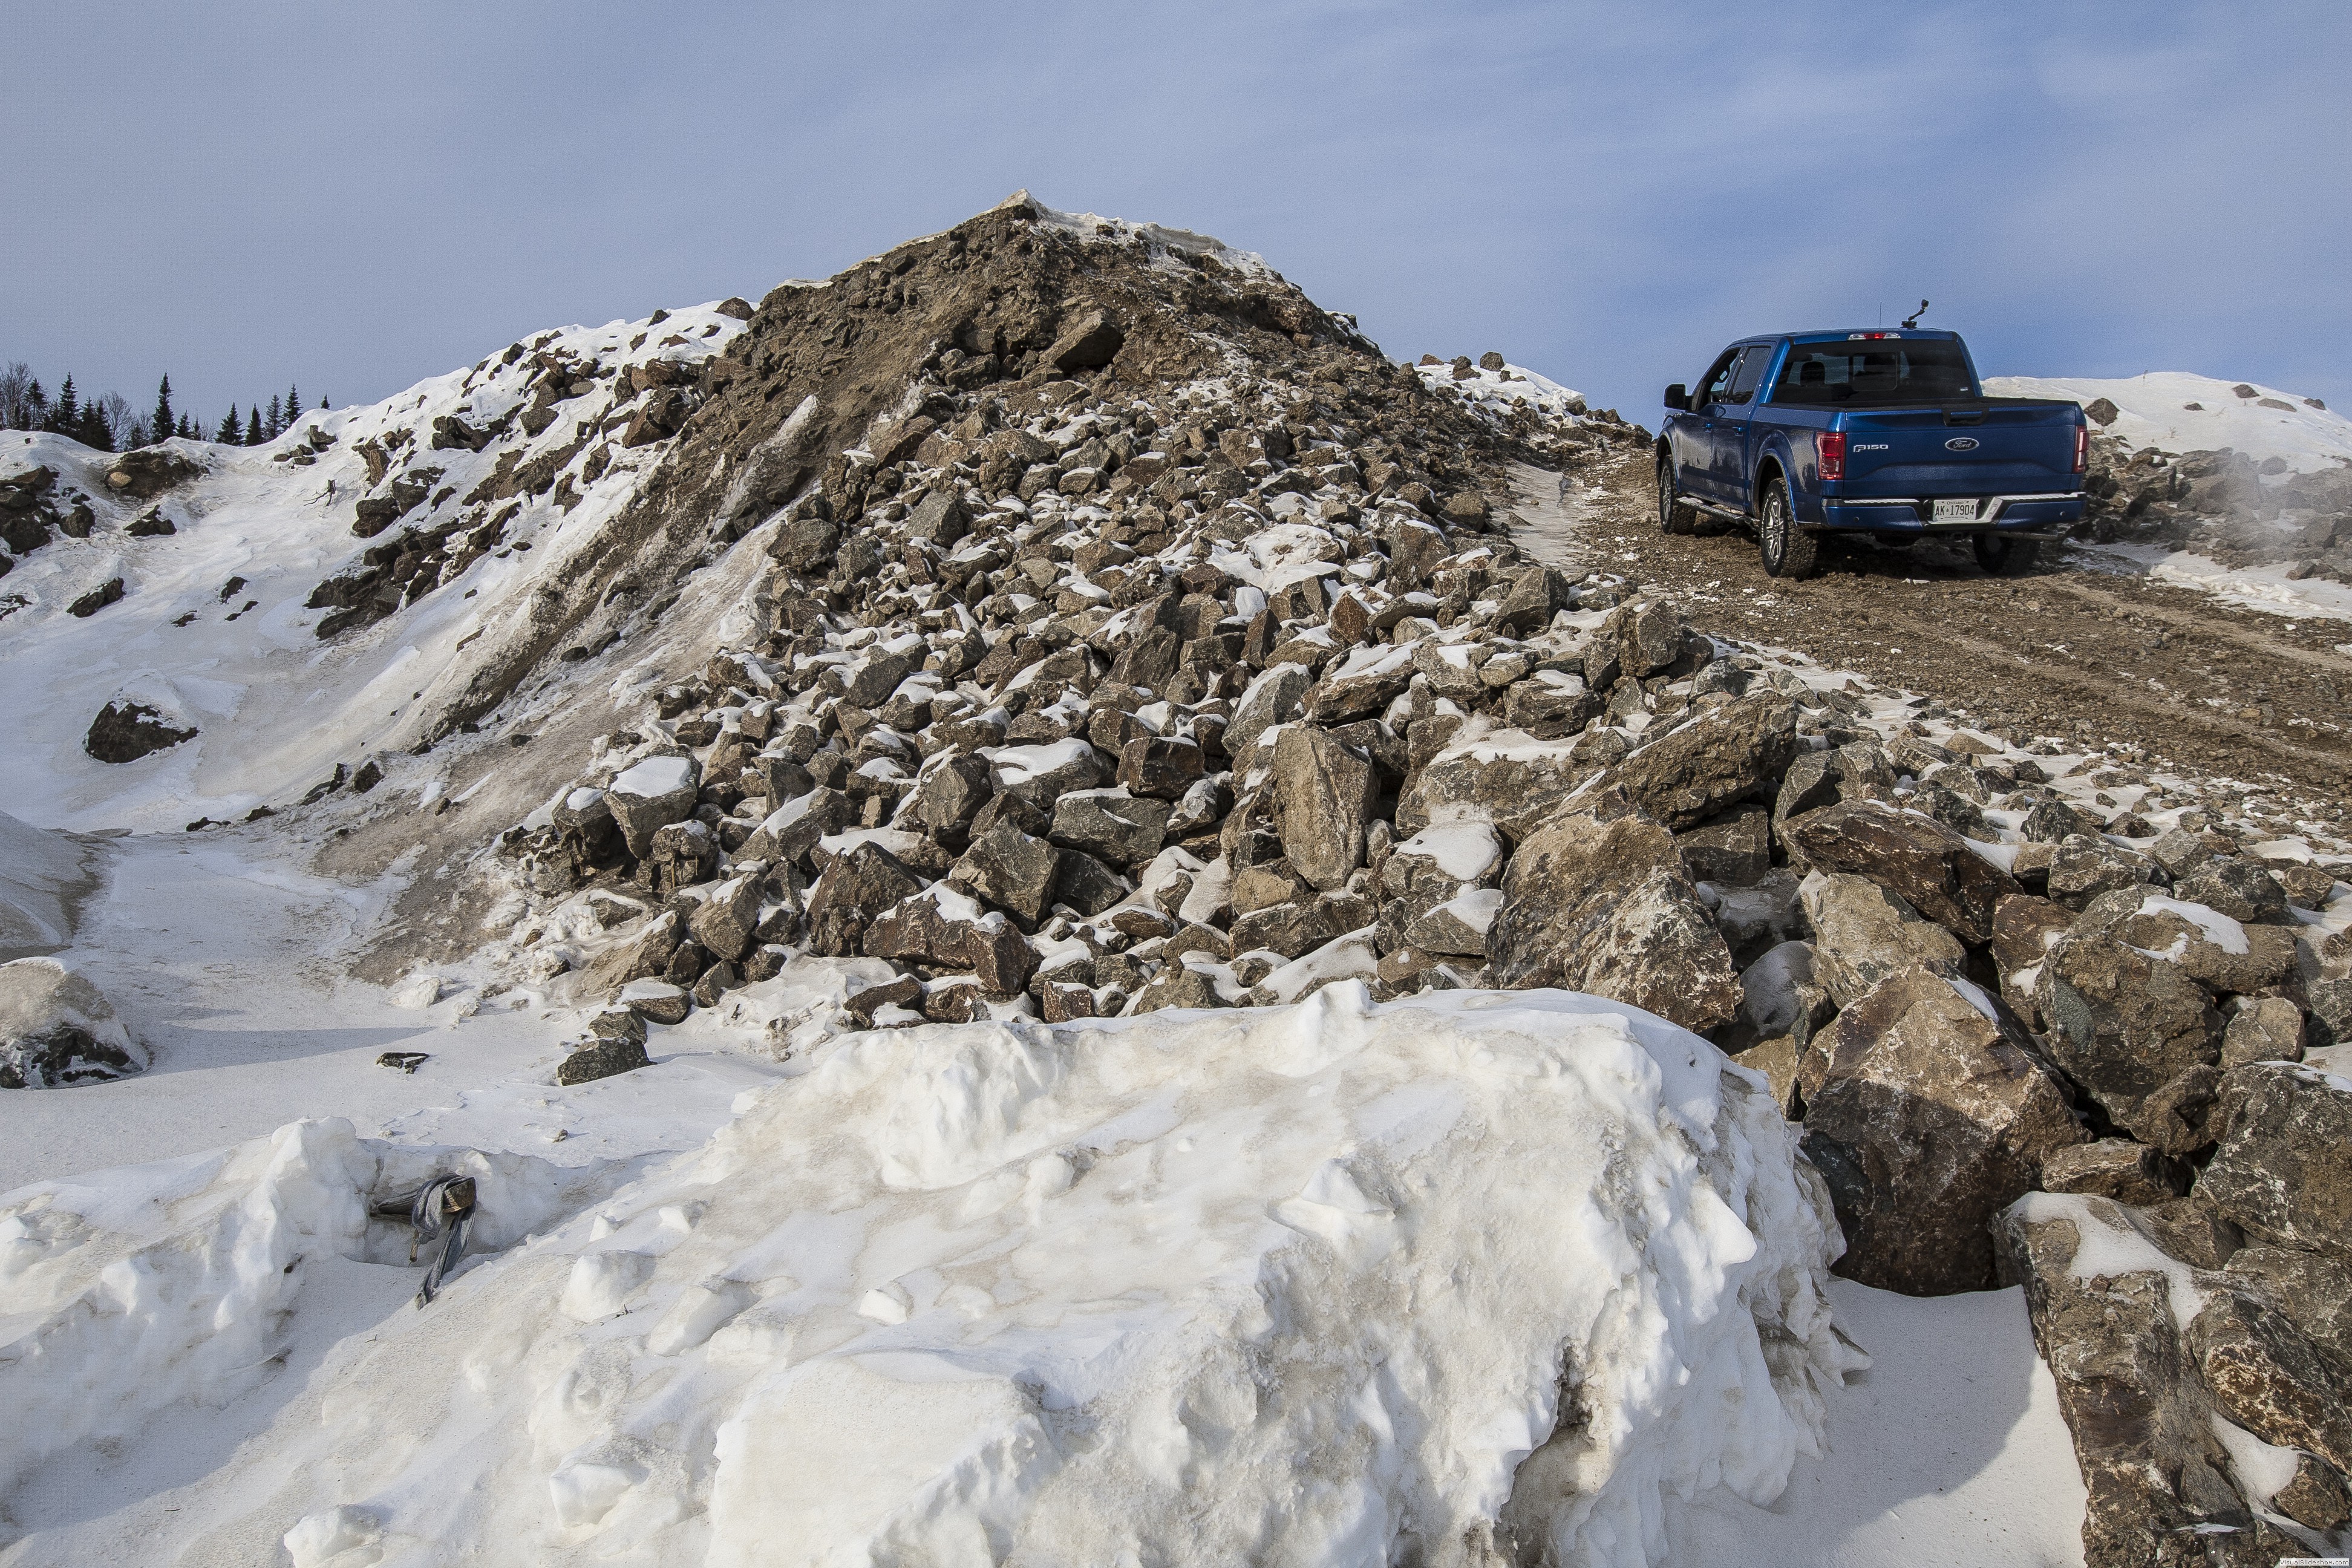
(484,495)
(2153,410)
(1333,1283)
(124,1291)
(1496,389)
(57,1029)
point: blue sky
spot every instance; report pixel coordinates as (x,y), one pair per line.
(355,197)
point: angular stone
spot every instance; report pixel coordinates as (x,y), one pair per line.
(728,917)
(2263,1029)
(1324,794)
(1650,637)
(1927,1119)
(1272,698)
(2314,1290)
(601,1059)
(948,791)
(1606,907)
(2282,1172)
(1009,869)
(650,795)
(1863,934)
(2239,889)
(1498,776)
(2025,928)
(1929,865)
(1088,344)
(1110,825)
(1716,760)
(1550,704)
(1457,928)
(2122,1025)
(1538,593)
(125,732)
(1290,929)
(1179,985)
(1163,769)
(1086,884)
(939,519)
(855,890)
(2114,1168)
(947,930)
(2267,1376)
(1734,850)
(656,1001)
(2128,1387)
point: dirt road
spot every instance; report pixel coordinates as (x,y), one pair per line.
(2079,649)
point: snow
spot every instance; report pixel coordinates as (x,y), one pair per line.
(2152,412)
(655,777)
(2265,588)
(969,1283)
(1465,848)
(43,875)
(1497,391)
(2217,928)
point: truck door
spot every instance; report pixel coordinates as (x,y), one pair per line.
(1729,419)
(1700,465)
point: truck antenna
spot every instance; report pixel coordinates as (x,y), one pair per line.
(1913,318)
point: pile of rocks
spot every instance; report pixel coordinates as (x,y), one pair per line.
(2222,505)
(1156,643)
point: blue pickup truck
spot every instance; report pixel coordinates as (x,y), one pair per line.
(1884,433)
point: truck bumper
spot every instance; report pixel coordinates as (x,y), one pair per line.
(2047,515)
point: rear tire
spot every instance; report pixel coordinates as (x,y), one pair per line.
(1673,517)
(2006,557)
(1787,550)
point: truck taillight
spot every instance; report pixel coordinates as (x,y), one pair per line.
(2082,448)
(1829,444)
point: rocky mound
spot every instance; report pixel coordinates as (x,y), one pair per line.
(56,1030)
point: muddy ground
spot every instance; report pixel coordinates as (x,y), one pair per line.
(2080,648)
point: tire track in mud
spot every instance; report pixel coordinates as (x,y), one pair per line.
(2064,650)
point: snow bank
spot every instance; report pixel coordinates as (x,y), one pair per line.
(1324,1284)
(2153,411)
(43,875)
(126,1290)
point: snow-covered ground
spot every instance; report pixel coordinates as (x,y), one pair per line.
(2265,588)
(1285,1285)
(2154,410)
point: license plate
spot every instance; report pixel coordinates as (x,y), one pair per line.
(1955,512)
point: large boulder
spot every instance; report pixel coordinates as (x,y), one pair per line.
(2102,1300)
(947,930)
(1931,866)
(1110,825)
(1507,777)
(650,795)
(1272,698)
(2283,1170)
(1928,1111)
(148,472)
(1324,794)
(1863,933)
(1011,869)
(1606,907)
(1723,756)
(2124,1024)
(126,730)
(854,892)
(57,1029)
(1088,342)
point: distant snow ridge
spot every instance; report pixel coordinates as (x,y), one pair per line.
(1305,1286)
(1498,388)
(2156,410)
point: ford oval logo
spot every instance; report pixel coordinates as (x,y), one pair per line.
(1961,444)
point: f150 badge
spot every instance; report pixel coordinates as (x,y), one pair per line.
(1961,444)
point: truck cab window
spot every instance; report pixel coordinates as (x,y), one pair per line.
(1718,377)
(1750,371)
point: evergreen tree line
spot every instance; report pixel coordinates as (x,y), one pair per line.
(111,424)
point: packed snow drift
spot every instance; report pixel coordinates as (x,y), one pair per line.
(1331,1283)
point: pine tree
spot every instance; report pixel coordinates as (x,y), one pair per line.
(276,420)
(227,435)
(67,415)
(164,421)
(322,402)
(189,430)
(293,406)
(38,402)
(252,436)
(92,430)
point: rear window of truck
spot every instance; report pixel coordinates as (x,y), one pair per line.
(1875,372)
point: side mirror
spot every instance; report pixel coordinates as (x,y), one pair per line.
(1678,396)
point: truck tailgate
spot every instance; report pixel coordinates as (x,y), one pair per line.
(1974,449)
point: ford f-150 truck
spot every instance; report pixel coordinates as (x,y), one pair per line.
(1885,433)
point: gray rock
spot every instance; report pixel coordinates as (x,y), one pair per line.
(1550,704)
(1110,825)
(728,918)
(949,932)
(57,1029)
(2266,1376)
(2263,1029)
(1088,344)
(1291,929)
(1086,884)
(601,1059)
(2083,867)
(2314,1290)
(1178,986)
(2052,821)
(1734,850)
(650,795)
(2281,1173)
(1725,755)
(1930,867)
(1606,907)
(1927,1117)
(2239,889)
(949,792)
(1011,869)
(2114,1168)
(852,893)
(939,519)
(1324,794)
(2122,1025)
(1162,768)
(2129,1389)
(1863,934)
(125,731)
(1272,698)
